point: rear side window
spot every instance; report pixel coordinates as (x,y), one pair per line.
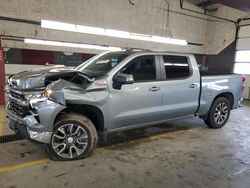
(142,68)
(176,67)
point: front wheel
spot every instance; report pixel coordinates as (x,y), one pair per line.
(74,137)
(219,113)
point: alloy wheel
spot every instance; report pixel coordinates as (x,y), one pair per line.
(221,113)
(70,140)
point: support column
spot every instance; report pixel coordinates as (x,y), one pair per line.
(204,59)
(2,75)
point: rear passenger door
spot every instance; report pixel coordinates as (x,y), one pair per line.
(181,86)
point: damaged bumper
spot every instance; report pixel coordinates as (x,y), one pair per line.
(35,126)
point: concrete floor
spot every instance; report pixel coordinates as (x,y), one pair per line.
(180,154)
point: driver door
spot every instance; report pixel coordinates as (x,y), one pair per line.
(139,103)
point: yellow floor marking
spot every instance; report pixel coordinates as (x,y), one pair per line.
(98,150)
(2,110)
(23,165)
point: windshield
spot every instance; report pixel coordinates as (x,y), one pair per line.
(100,65)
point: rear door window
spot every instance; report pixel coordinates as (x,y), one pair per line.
(176,67)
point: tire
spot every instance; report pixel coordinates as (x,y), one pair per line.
(74,137)
(219,113)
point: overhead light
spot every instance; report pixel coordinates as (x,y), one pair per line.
(117,33)
(138,36)
(72,45)
(168,40)
(90,30)
(58,25)
(109,32)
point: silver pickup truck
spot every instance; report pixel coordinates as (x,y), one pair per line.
(70,109)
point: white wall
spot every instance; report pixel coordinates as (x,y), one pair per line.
(147,17)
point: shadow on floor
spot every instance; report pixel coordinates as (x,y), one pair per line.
(133,134)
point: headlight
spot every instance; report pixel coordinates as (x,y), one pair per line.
(55,96)
(33,96)
(47,93)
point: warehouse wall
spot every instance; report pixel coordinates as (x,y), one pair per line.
(223,62)
(146,16)
(42,57)
(37,57)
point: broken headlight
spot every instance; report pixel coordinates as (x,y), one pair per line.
(47,93)
(33,95)
(55,96)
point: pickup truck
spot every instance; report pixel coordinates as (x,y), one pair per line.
(69,110)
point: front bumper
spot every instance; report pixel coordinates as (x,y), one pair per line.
(23,131)
(38,127)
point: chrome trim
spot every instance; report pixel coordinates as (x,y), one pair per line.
(35,101)
(43,137)
(38,90)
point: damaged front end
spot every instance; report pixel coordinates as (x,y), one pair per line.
(35,102)
(37,124)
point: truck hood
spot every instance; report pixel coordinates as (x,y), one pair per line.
(38,79)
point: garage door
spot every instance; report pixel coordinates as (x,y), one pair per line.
(242,56)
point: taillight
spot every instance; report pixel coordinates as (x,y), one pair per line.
(243,78)
(243,81)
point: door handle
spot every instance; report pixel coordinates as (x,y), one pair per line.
(193,85)
(154,88)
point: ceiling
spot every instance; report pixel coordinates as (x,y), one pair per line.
(243,5)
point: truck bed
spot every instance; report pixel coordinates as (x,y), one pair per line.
(213,85)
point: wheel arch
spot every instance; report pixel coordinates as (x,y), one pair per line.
(227,95)
(90,111)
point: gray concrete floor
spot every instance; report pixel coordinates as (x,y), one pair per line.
(179,154)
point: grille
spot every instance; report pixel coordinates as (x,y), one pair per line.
(19,110)
(17,96)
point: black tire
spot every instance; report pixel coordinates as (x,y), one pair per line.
(212,118)
(85,126)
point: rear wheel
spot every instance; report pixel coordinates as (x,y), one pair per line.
(74,137)
(219,113)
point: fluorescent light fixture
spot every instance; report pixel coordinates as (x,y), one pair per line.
(138,36)
(71,45)
(168,40)
(58,25)
(242,68)
(117,33)
(90,30)
(242,56)
(109,32)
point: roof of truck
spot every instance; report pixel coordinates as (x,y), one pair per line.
(142,51)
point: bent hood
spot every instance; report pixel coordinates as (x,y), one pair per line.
(38,79)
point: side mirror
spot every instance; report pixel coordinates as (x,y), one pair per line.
(121,79)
